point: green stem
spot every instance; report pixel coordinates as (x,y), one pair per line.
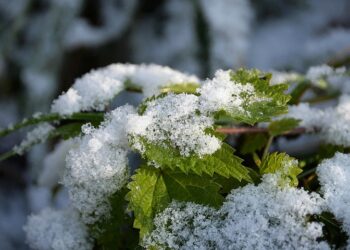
(135,89)
(307,172)
(323,98)
(29,122)
(52,118)
(267,147)
(7,155)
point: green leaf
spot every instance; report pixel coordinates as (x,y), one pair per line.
(152,189)
(253,143)
(281,126)
(147,197)
(298,92)
(333,231)
(68,130)
(272,99)
(284,166)
(178,88)
(116,231)
(193,188)
(222,162)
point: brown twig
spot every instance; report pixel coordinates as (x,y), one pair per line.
(252,130)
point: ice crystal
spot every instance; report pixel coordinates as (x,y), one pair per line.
(335,132)
(253,217)
(334,177)
(222,93)
(96,89)
(97,168)
(174,119)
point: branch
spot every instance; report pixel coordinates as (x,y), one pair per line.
(253,130)
(51,118)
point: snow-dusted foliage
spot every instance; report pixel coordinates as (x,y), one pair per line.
(96,89)
(194,164)
(37,135)
(334,176)
(335,132)
(57,230)
(191,191)
(253,217)
(220,93)
(98,166)
(336,78)
(174,119)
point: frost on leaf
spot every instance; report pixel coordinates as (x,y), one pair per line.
(151,191)
(97,168)
(285,168)
(173,121)
(245,96)
(253,217)
(171,126)
(57,230)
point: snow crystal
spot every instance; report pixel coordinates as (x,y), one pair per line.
(185,226)
(337,131)
(57,230)
(222,93)
(335,77)
(174,119)
(95,89)
(97,168)
(253,217)
(334,177)
(37,135)
(279,77)
(151,77)
(309,117)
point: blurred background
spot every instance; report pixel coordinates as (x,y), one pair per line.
(46,44)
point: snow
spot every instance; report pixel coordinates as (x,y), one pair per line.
(94,90)
(253,217)
(174,120)
(37,135)
(335,132)
(98,166)
(334,177)
(57,230)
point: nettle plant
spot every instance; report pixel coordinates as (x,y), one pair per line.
(192,189)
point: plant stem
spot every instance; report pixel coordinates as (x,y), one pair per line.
(51,118)
(7,155)
(307,172)
(252,130)
(267,147)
